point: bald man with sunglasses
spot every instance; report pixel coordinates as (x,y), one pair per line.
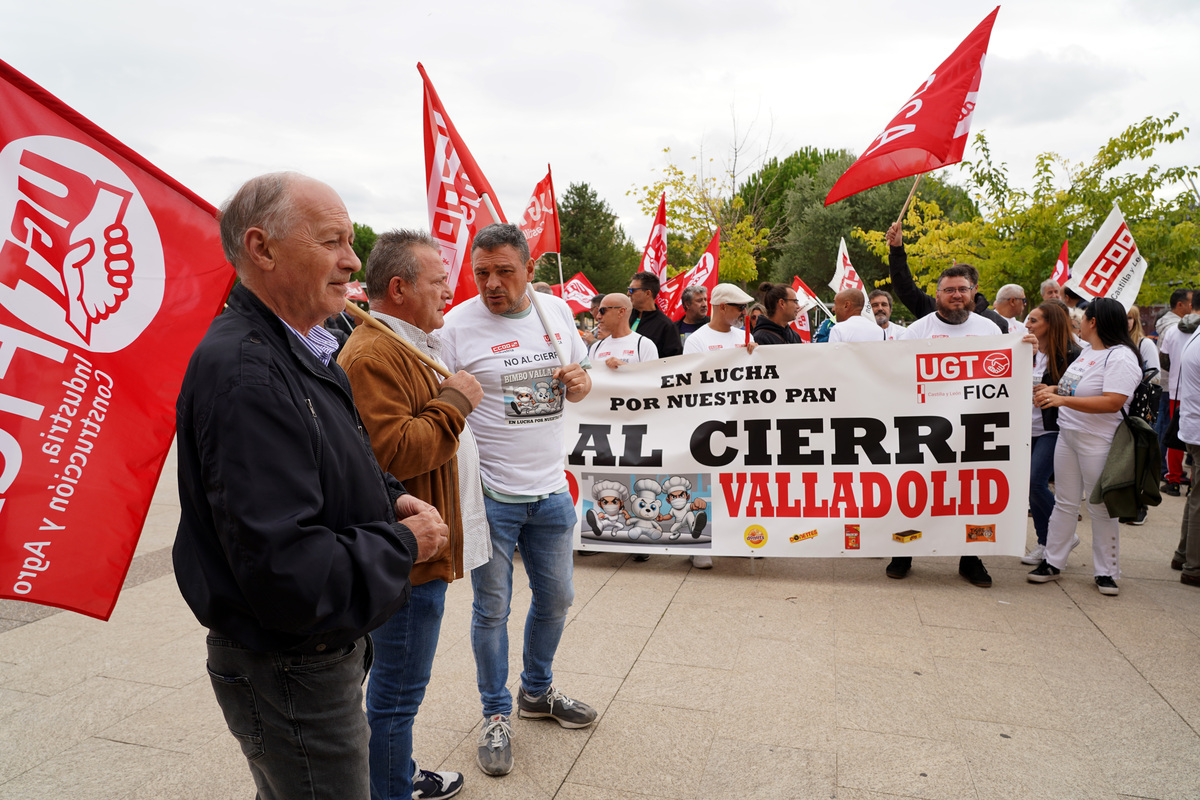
(620,345)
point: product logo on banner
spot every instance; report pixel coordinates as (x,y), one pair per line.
(961,367)
(82,260)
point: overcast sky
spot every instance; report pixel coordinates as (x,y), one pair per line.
(217,91)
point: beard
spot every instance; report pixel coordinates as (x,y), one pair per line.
(955,316)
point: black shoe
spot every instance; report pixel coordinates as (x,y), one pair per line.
(899,567)
(1140,519)
(586,553)
(1170,488)
(971,568)
(1107,585)
(641,557)
(1177,564)
(430,785)
(1189,580)
(1043,573)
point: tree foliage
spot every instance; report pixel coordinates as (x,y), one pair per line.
(592,243)
(364,240)
(1017,236)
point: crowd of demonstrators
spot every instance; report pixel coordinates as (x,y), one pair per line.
(695,311)
(1171,337)
(521,450)
(881,308)
(1055,351)
(1090,396)
(419,432)
(1187,364)
(851,325)
(648,319)
(292,544)
(782,305)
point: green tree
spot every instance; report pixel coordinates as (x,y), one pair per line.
(1017,235)
(592,243)
(364,240)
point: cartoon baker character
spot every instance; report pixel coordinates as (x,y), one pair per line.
(610,497)
(522,400)
(644,506)
(688,517)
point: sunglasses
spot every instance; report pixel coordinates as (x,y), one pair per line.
(600,311)
(633,289)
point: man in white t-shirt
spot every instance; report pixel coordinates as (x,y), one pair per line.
(620,345)
(881,307)
(726,305)
(1171,337)
(851,325)
(1187,366)
(501,339)
(952,317)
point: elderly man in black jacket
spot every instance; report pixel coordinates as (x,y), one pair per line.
(292,543)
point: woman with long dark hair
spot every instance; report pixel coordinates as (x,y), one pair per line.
(1089,397)
(1056,350)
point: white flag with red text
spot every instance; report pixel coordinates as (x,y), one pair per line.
(578,292)
(654,257)
(1110,265)
(808,301)
(539,223)
(705,273)
(461,201)
(1062,272)
(846,277)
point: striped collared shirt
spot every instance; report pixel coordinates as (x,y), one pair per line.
(320,342)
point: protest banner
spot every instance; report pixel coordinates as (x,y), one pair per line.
(855,449)
(654,257)
(461,201)
(539,223)
(1110,265)
(110,272)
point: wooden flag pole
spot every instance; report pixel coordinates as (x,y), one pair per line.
(911,192)
(374,323)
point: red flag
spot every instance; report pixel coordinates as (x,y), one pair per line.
(110,273)
(930,130)
(654,257)
(578,293)
(670,296)
(1062,272)
(807,300)
(355,291)
(539,223)
(461,201)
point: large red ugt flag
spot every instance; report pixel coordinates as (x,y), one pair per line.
(110,272)
(930,130)
(461,201)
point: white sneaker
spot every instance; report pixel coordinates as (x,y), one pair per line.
(702,562)
(1035,555)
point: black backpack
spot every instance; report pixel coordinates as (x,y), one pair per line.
(1146,397)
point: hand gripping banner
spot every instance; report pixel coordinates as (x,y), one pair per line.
(110,272)
(872,449)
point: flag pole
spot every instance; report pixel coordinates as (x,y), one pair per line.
(911,192)
(367,319)
(561,282)
(537,306)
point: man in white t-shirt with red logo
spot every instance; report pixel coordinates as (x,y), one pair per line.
(726,305)
(952,317)
(851,325)
(620,345)
(500,338)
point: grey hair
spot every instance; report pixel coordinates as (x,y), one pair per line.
(498,234)
(1008,291)
(1046,283)
(394,256)
(691,291)
(263,202)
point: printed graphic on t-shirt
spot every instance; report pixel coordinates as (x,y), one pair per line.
(1070,379)
(531,395)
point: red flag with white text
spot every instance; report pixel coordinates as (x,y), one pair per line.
(654,257)
(578,293)
(705,273)
(461,201)
(1062,272)
(931,128)
(808,300)
(110,273)
(1110,265)
(356,291)
(539,223)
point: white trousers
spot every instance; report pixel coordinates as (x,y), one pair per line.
(1078,461)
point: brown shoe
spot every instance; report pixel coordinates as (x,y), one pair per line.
(1189,580)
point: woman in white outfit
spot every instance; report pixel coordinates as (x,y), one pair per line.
(1090,397)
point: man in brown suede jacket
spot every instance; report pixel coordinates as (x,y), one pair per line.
(418,429)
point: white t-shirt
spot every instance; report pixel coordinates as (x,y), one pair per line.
(1149,353)
(706,338)
(931,326)
(894,330)
(856,329)
(632,349)
(519,424)
(1039,370)
(1114,369)
(1188,370)
(1172,346)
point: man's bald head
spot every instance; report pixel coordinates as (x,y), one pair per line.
(847,303)
(614,314)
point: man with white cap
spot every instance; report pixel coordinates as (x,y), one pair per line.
(726,305)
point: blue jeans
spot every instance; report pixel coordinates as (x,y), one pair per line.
(404,649)
(297,717)
(1041,467)
(543,532)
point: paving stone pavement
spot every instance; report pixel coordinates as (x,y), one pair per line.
(771,678)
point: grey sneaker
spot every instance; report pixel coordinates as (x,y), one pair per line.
(1035,555)
(495,746)
(556,706)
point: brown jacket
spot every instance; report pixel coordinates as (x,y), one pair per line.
(414,426)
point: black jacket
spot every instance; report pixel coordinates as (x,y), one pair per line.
(658,328)
(768,331)
(287,539)
(918,302)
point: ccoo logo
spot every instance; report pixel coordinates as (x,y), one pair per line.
(81,259)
